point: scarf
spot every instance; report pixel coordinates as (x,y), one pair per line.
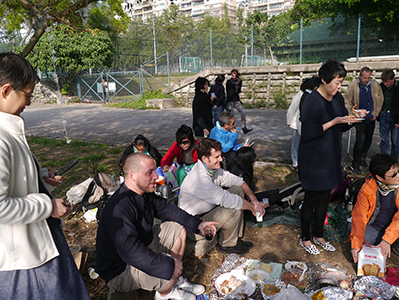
(210,172)
(236,82)
(385,189)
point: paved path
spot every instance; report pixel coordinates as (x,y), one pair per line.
(93,122)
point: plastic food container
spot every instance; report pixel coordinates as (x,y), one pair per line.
(292,277)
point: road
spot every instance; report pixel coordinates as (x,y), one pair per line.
(115,126)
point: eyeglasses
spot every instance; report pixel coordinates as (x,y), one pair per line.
(393,175)
(30,96)
(186,142)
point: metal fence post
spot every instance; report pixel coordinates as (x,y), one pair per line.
(300,43)
(358,40)
(252,45)
(167,62)
(210,41)
(78,87)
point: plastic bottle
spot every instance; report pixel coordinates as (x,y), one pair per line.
(186,169)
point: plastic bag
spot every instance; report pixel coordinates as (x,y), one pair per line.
(290,293)
(374,288)
(76,193)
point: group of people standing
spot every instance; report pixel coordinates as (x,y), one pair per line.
(208,106)
(318,115)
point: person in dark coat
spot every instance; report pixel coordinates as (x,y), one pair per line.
(202,108)
(218,99)
(141,145)
(324,118)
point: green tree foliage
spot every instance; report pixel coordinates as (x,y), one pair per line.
(268,31)
(381,12)
(73,51)
(37,15)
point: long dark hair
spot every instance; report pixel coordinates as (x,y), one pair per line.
(141,140)
(245,159)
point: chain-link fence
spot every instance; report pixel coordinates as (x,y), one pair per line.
(195,50)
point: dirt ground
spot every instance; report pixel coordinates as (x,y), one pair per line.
(276,243)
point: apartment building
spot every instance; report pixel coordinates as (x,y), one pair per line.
(197,8)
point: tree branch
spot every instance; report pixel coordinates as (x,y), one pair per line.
(34,39)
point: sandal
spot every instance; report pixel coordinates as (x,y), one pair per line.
(311,249)
(326,246)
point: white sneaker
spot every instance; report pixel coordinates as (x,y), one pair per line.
(196,289)
(175,294)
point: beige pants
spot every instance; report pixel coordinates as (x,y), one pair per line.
(165,236)
(231,222)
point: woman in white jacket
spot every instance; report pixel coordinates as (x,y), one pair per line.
(35,261)
(293,123)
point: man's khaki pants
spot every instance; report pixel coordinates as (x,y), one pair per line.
(231,222)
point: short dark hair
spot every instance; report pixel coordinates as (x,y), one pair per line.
(205,146)
(220,78)
(387,75)
(225,118)
(200,83)
(314,82)
(235,71)
(331,69)
(382,163)
(184,132)
(16,71)
(364,69)
(305,84)
(141,140)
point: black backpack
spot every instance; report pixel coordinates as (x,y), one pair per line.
(96,194)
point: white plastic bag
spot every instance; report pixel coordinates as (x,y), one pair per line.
(76,193)
(290,293)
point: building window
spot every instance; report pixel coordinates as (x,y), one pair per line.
(275,6)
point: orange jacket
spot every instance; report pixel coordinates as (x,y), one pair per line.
(364,209)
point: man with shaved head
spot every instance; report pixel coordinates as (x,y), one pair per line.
(132,252)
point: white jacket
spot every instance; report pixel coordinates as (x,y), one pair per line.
(293,111)
(201,192)
(25,238)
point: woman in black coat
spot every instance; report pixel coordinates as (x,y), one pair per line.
(202,108)
(324,118)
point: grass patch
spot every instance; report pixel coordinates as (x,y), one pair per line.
(54,154)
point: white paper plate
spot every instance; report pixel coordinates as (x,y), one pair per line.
(247,288)
(258,274)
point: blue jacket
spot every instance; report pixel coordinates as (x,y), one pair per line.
(228,139)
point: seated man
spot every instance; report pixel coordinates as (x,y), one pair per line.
(132,253)
(202,195)
(226,133)
(375,217)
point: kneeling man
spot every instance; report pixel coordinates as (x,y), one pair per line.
(132,253)
(375,217)
(202,194)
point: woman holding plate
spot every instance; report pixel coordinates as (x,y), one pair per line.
(324,118)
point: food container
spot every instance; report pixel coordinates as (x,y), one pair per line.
(292,277)
(323,282)
(371,262)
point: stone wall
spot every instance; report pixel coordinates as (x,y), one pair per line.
(271,82)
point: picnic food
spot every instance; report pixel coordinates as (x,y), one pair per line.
(229,286)
(351,117)
(266,267)
(292,277)
(371,269)
(270,290)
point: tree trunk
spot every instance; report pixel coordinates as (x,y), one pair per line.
(34,39)
(271,54)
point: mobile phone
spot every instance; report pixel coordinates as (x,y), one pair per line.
(67,167)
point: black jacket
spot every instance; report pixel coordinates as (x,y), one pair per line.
(218,89)
(395,100)
(232,95)
(202,113)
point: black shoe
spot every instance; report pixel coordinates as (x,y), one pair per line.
(277,210)
(356,169)
(246,130)
(245,243)
(237,249)
(363,164)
